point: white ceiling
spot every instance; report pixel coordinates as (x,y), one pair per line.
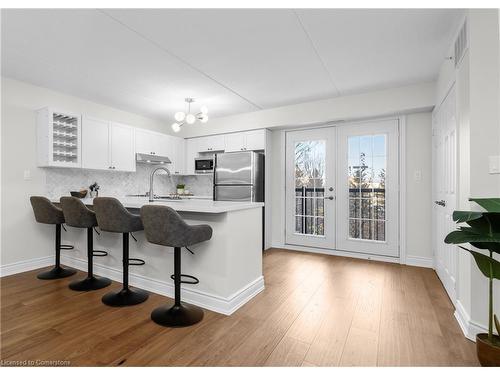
(233,61)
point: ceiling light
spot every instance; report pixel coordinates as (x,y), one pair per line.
(190,119)
(180,116)
(176,127)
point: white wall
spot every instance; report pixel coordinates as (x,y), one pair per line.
(22,238)
(418,200)
(477,82)
(484,131)
(399,100)
(419,193)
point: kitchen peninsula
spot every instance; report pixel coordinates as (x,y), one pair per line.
(229,266)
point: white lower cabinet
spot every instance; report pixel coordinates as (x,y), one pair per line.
(107,145)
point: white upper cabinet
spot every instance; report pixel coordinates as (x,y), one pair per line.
(122,147)
(146,142)
(255,140)
(243,141)
(107,145)
(191,152)
(95,144)
(211,143)
(235,142)
(176,150)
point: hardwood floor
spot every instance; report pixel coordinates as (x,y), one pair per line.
(316,310)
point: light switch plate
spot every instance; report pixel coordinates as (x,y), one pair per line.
(494,167)
(27,175)
(417,176)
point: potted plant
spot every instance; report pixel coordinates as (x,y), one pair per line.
(94,190)
(483,232)
(180,189)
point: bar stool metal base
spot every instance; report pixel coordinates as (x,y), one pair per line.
(177,316)
(56,273)
(125,297)
(90,283)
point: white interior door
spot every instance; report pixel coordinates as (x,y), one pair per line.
(444,158)
(368,188)
(310,176)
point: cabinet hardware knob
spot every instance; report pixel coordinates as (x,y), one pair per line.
(330,197)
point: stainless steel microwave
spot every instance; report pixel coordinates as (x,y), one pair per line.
(204,165)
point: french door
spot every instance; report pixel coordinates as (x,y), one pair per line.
(342,188)
(310,179)
(444,156)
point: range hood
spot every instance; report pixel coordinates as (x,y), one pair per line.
(152,159)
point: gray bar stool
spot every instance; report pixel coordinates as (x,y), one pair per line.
(78,215)
(47,213)
(164,226)
(113,217)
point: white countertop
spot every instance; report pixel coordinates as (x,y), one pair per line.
(184,205)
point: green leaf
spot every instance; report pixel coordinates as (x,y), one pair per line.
(489,204)
(462,216)
(488,266)
(463,236)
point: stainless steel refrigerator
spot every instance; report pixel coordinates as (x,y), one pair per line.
(239,176)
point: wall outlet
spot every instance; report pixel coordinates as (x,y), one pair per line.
(494,167)
(27,175)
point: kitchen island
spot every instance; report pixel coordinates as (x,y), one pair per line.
(229,266)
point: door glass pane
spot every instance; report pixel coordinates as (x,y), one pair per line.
(367,159)
(309,187)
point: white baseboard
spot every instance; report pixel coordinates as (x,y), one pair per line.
(26,265)
(412,260)
(469,327)
(222,305)
(347,254)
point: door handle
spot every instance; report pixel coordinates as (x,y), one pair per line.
(441,203)
(330,197)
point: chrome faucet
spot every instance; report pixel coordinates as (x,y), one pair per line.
(151,179)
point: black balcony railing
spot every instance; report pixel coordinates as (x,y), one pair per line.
(306,210)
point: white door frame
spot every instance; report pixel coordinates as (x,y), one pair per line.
(281,243)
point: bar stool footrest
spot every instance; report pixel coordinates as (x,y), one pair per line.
(136,262)
(193,280)
(67,247)
(99,253)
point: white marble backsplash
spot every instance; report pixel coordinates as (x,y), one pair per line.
(60,181)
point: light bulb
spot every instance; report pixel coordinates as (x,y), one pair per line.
(204,118)
(179,116)
(204,109)
(176,127)
(190,119)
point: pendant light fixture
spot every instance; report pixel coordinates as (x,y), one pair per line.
(182,118)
